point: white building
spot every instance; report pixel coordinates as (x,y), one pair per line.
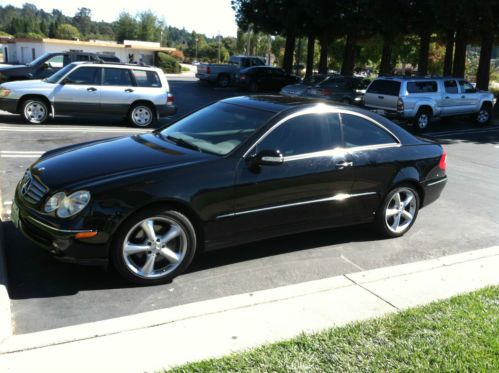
(23,50)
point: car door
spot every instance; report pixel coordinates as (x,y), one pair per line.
(469,97)
(451,102)
(374,154)
(118,90)
(79,91)
(306,191)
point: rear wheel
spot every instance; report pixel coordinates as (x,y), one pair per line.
(141,115)
(398,212)
(35,111)
(422,120)
(253,87)
(154,246)
(483,116)
(223,80)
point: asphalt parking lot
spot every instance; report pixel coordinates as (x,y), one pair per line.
(48,294)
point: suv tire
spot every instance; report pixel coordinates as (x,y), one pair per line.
(35,111)
(422,120)
(484,115)
(142,115)
(223,80)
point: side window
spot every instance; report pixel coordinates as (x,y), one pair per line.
(56,61)
(245,62)
(117,77)
(450,86)
(146,78)
(422,87)
(466,87)
(82,57)
(84,76)
(358,131)
(256,62)
(300,135)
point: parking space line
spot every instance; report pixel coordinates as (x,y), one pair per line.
(352,263)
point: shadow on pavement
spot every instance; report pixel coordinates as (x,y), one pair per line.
(33,273)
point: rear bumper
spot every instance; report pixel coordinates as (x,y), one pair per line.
(206,77)
(166,110)
(8,104)
(433,189)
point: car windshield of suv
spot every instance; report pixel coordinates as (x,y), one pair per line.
(216,129)
(54,78)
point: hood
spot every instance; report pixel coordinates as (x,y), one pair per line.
(98,160)
(27,84)
(15,70)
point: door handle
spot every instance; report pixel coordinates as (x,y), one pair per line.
(91,89)
(381,97)
(129,90)
(344,164)
(447,97)
(463,96)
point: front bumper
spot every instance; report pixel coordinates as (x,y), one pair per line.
(8,104)
(60,241)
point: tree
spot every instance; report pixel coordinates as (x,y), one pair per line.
(67,31)
(149,27)
(82,20)
(126,27)
(422,23)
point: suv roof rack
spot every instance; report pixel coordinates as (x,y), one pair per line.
(410,77)
(141,64)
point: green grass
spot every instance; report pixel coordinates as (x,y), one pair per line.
(459,335)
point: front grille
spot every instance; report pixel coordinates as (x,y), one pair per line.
(31,189)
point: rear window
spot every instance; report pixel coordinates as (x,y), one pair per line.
(385,87)
(422,87)
(146,78)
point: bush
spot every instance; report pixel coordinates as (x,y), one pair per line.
(168,63)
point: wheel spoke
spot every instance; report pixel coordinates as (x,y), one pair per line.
(391,212)
(408,199)
(174,232)
(149,265)
(131,248)
(396,222)
(407,215)
(169,254)
(148,227)
(396,198)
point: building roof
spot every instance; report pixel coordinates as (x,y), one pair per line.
(106,44)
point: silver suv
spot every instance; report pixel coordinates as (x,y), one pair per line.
(140,93)
(421,99)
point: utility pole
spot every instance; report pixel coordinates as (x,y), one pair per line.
(249,41)
(196,42)
(219,44)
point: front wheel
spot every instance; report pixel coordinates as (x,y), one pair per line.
(154,246)
(35,111)
(141,115)
(483,116)
(398,212)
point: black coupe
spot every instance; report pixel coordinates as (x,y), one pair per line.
(239,170)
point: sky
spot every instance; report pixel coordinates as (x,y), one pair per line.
(209,17)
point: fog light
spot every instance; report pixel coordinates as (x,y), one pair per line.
(83,235)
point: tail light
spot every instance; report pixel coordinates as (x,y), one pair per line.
(208,70)
(400,105)
(443,161)
(169,99)
(243,77)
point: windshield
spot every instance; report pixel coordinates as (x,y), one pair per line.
(38,60)
(216,129)
(54,78)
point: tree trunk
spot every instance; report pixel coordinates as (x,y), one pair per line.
(449,51)
(483,73)
(289,52)
(385,67)
(459,65)
(424,50)
(348,56)
(324,41)
(310,56)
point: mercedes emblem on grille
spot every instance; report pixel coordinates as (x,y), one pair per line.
(25,185)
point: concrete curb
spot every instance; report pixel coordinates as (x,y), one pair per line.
(220,326)
(5,315)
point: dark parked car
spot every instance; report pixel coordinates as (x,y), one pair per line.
(299,89)
(348,90)
(48,64)
(264,78)
(239,170)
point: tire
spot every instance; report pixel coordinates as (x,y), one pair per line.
(153,258)
(141,115)
(391,220)
(223,80)
(253,87)
(422,120)
(483,116)
(35,111)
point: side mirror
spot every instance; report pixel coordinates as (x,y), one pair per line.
(46,65)
(266,158)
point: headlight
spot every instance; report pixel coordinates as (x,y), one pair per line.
(4,92)
(67,206)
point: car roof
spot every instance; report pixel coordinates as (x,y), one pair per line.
(405,78)
(115,64)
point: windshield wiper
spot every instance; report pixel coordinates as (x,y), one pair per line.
(184,143)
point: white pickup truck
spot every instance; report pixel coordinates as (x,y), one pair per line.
(223,74)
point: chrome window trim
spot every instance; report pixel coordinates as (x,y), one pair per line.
(56,229)
(336,197)
(326,109)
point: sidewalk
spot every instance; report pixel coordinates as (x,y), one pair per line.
(160,339)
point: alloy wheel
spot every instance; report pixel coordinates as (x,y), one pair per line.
(154,247)
(35,112)
(142,116)
(482,116)
(400,210)
(423,121)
